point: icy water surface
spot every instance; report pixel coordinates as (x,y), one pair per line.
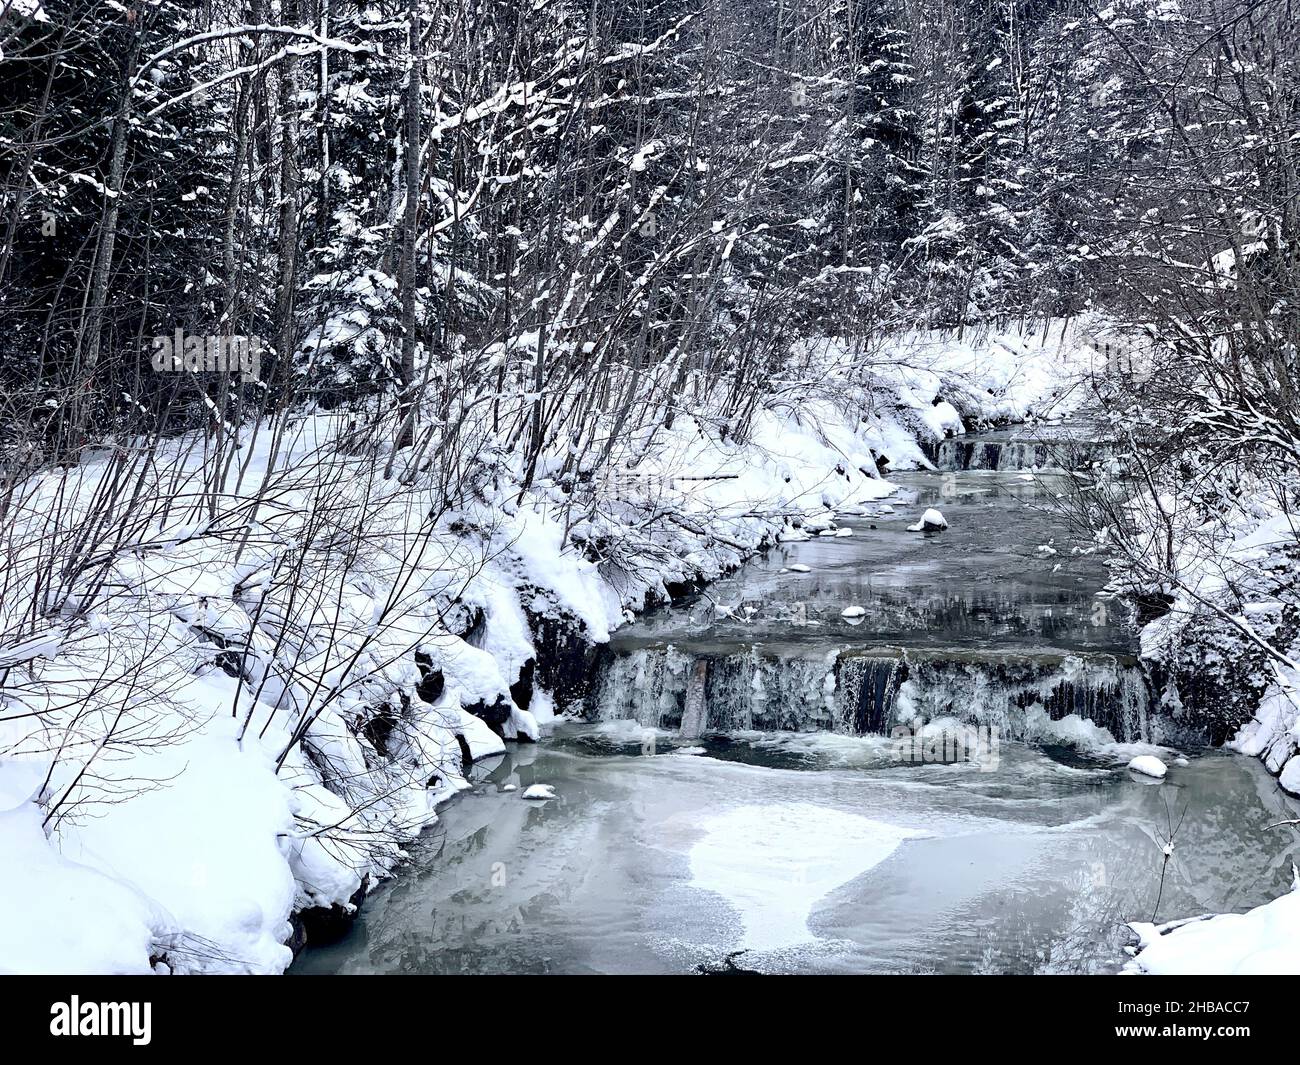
(740,790)
(1004,574)
(812,853)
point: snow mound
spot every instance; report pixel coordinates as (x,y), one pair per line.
(1264,941)
(63,917)
(931,521)
(1148,765)
(539,791)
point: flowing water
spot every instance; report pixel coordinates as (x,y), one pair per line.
(937,784)
(1061,446)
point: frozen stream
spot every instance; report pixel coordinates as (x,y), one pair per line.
(736,788)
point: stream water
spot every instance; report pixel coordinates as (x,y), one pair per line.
(937,784)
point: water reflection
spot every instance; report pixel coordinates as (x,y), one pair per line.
(1033,868)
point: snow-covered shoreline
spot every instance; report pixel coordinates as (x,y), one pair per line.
(1233,595)
(1264,941)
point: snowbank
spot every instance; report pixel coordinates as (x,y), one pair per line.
(924,386)
(1273,735)
(1264,941)
(62,917)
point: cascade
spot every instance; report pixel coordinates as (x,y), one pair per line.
(862,691)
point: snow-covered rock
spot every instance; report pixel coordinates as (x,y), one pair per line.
(1289,778)
(931,521)
(1148,765)
(539,791)
(852,612)
(482,741)
(1273,735)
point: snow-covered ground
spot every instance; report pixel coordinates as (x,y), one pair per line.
(212,713)
(1264,941)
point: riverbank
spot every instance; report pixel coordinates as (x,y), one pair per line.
(1216,645)
(744,786)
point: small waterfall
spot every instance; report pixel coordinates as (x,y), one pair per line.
(952,455)
(984,455)
(869,686)
(648,687)
(752,690)
(870,691)
(958,454)
(1020,455)
(1013,456)
(1011,692)
(665,688)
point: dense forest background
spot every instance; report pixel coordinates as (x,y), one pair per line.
(573,211)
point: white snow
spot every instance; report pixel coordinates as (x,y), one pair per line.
(1264,941)
(1148,765)
(1273,735)
(62,917)
(931,521)
(538,791)
(773,863)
